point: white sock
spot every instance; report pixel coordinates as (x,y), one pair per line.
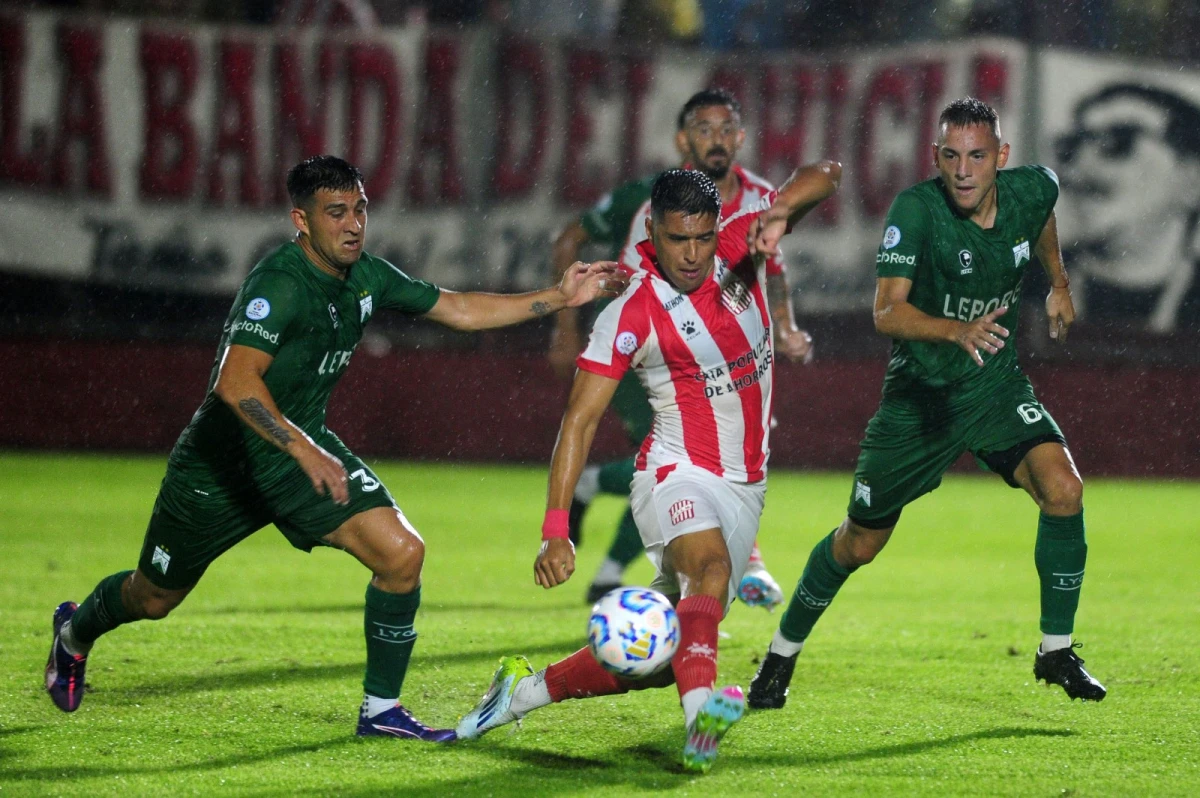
(692,700)
(784,647)
(610,572)
(588,485)
(73,646)
(530,694)
(1055,642)
(376,705)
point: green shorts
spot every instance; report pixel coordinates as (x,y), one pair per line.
(199,515)
(912,441)
(633,408)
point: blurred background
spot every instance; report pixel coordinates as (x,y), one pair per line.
(143,145)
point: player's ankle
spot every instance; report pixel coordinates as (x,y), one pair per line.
(67,637)
(530,693)
(783,647)
(1054,642)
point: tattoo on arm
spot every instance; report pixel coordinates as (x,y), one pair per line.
(261,416)
(540,308)
(777,296)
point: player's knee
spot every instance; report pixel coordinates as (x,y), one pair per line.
(716,571)
(861,546)
(400,569)
(156,607)
(1063,494)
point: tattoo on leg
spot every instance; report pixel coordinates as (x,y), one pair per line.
(540,308)
(261,416)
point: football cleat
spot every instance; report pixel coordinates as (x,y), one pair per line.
(598,590)
(575,520)
(723,708)
(1064,668)
(399,722)
(759,589)
(769,688)
(64,670)
(493,709)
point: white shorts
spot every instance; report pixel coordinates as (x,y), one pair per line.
(690,499)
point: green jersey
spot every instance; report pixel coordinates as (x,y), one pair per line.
(961,271)
(310,322)
(609,219)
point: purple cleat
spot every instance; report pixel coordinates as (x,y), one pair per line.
(64,670)
(399,722)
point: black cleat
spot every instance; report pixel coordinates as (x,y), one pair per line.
(596,590)
(575,520)
(1064,668)
(769,688)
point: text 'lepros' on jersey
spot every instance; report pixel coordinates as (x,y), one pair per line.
(965,308)
(333,362)
(256,328)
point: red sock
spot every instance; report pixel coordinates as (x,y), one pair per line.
(580,676)
(755,556)
(695,663)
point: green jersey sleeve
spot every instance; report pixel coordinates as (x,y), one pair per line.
(608,220)
(1038,186)
(905,237)
(401,292)
(270,300)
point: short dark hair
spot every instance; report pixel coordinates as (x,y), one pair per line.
(1183,116)
(320,171)
(969,111)
(707,98)
(684,191)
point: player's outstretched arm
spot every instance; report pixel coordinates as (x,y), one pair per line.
(566,339)
(896,317)
(795,344)
(582,283)
(590,395)
(240,385)
(804,190)
(1060,309)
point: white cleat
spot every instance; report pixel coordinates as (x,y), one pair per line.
(759,589)
(493,709)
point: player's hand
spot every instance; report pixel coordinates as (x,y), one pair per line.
(765,233)
(555,563)
(585,282)
(326,472)
(796,345)
(1060,310)
(983,333)
(565,345)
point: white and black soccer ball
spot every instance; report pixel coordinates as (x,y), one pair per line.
(633,631)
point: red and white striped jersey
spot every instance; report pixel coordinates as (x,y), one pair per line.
(704,358)
(752,189)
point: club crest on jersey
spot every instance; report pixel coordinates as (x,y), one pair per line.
(365,306)
(682,510)
(966,260)
(735,294)
(160,559)
(333,314)
(1020,254)
(862,492)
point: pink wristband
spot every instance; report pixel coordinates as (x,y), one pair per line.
(555,525)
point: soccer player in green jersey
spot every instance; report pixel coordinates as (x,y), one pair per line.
(709,134)
(258,451)
(950,267)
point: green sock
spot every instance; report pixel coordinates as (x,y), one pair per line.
(102,611)
(388,622)
(817,586)
(615,477)
(627,545)
(1060,554)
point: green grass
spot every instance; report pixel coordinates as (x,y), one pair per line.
(917,681)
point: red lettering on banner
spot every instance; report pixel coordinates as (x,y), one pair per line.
(438,132)
(169,151)
(837,93)
(930,82)
(24,168)
(586,70)
(299,124)
(235,123)
(371,68)
(787,94)
(521,70)
(639,74)
(81,110)
(991,79)
(887,91)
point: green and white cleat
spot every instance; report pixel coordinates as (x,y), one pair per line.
(494,708)
(723,708)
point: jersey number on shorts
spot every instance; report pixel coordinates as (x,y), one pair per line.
(1030,413)
(369,483)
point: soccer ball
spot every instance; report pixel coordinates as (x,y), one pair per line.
(633,631)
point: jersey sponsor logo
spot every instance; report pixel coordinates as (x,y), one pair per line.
(1020,254)
(965,260)
(673,302)
(968,309)
(160,559)
(682,510)
(862,492)
(256,328)
(258,309)
(333,314)
(891,236)
(627,343)
(896,257)
(365,306)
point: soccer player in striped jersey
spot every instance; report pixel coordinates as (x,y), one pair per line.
(695,327)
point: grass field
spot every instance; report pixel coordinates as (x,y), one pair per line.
(917,681)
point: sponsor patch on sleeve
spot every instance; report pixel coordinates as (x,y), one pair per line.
(891,236)
(627,343)
(258,309)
